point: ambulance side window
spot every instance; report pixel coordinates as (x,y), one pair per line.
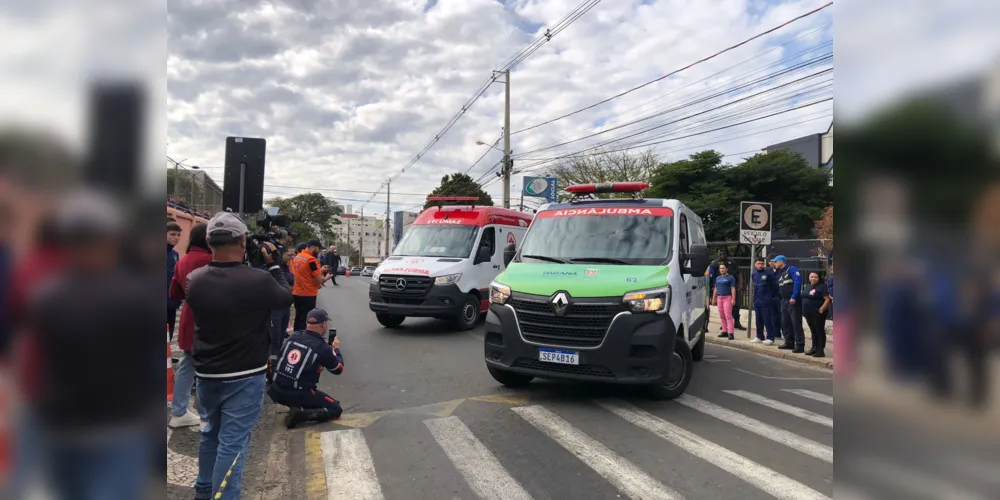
(685,240)
(489,240)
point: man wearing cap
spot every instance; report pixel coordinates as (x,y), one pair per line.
(309,276)
(303,358)
(790,286)
(232,305)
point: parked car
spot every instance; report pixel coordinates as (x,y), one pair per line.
(368,271)
(341,271)
(356,270)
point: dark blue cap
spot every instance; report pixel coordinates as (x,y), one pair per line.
(316,317)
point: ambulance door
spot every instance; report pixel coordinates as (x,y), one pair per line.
(505,236)
(483,272)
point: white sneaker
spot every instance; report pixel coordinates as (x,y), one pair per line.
(768,342)
(756,340)
(186,420)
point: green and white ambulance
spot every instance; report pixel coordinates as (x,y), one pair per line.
(602,290)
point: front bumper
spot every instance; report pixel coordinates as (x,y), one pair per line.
(637,349)
(439,301)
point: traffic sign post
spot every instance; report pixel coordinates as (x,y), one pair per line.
(755,229)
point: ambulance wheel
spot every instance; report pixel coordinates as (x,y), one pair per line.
(509,379)
(699,349)
(468,314)
(390,321)
(678,376)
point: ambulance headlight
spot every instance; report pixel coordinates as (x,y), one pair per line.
(448,279)
(643,301)
(499,293)
(375,276)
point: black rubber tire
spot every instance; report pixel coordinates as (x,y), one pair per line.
(468,316)
(390,321)
(698,353)
(509,379)
(672,389)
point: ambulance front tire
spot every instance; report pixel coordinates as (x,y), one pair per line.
(389,320)
(509,379)
(679,375)
(469,315)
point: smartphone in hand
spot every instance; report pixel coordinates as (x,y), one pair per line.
(331,335)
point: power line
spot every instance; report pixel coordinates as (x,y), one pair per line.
(744,42)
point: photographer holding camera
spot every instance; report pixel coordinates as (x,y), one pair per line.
(231,304)
(304,356)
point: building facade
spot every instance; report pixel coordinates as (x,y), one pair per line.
(400,223)
(366,234)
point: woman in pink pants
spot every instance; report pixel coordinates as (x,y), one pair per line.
(723,297)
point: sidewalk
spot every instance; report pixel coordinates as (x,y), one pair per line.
(742,341)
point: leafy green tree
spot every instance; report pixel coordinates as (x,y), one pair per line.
(459,184)
(313,215)
(604,166)
(714,190)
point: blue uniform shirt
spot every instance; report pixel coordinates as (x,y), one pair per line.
(303,358)
(765,287)
(789,282)
(724,285)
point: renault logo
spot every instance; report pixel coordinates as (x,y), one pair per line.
(400,284)
(560,303)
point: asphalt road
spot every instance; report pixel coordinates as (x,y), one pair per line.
(425,421)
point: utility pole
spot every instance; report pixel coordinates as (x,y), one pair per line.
(522,196)
(175,177)
(386,253)
(506,140)
(361,246)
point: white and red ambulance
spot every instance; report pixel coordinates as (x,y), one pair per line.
(443,266)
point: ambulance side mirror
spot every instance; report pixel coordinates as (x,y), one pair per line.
(508,254)
(697,260)
(484,254)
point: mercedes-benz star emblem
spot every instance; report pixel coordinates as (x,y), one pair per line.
(400,284)
(560,303)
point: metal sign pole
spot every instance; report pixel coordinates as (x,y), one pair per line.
(750,311)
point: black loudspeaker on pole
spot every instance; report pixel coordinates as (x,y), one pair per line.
(243,184)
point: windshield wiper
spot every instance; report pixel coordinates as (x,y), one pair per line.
(602,260)
(547,259)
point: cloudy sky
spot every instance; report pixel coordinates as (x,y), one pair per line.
(348,92)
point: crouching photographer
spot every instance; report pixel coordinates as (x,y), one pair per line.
(303,358)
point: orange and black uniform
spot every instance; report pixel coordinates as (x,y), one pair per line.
(305,267)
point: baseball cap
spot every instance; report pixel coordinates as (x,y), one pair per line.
(314,243)
(227,222)
(316,316)
(780,258)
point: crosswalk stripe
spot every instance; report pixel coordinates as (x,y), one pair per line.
(763,478)
(787,408)
(624,475)
(823,398)
(484,473)
(349,468)
(789,439)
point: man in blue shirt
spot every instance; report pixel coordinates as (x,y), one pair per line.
(765,288)
(790,287)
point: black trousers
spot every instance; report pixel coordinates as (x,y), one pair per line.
(817,327)
(303,305)
(736,308)
(791,323)
(307,399)
(776,315)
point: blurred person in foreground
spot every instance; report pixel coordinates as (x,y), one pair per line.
(309,277)
(231,304)
(304,356)
(173,237)
(92,412)
(196,256)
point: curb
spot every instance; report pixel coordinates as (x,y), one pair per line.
(824,363)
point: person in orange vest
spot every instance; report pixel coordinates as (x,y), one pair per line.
(309,276)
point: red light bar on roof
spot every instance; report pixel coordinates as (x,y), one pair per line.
(452,198)
(608,187)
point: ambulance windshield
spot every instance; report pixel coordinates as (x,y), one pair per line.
(437,241)
(604,235)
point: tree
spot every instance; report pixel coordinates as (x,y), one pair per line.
(459,184)
(604,166)
(714,190)
(824,230)
(312,214)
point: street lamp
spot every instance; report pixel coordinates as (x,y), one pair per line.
(481,143)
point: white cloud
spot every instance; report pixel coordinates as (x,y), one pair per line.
(347,92)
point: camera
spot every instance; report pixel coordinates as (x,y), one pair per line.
(273,232)
(331,335)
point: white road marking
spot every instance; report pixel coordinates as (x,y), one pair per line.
(789,439)
(349,468)
(763,478)
(787,408)
(624,475)
(823,398)
(484,473)
(748,372)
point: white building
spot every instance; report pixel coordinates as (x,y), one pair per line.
(367,234)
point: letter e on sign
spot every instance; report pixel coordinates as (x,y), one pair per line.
(755,223)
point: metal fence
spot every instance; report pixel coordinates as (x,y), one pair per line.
(807,255)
